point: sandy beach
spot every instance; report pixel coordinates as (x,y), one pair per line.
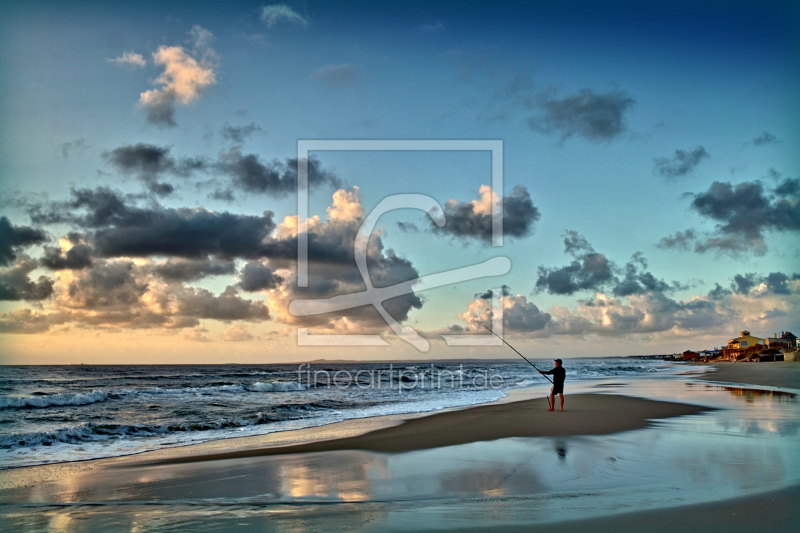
(781,374)
(585,414)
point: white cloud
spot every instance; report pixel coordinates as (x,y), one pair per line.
(186,74)
(237,333)
(129,59)
(279,13)
(337,76)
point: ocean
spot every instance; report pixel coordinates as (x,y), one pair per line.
(52,414)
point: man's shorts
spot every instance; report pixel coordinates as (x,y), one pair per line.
(558,388)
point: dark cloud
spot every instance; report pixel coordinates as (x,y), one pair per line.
(337,76)
(681,240)
(595,117)
(226,307)
(122,229)
(522,315)
(13,238)
(277,178)
(743,213)
(15,282)
(192,270)
(27,322)
(408,227)
(70,148)
(148,162)
(239,134)
(765,138)
(774,283)
(79,256)
(473,220)
(589,270)
(256,276)
(681,164)
(638,281)
(505,291)
(718,292)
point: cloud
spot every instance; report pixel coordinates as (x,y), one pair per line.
(129,60)
(239,134)
(237,333)
(14,238)
(337,76)
(332,270)
(680,241)
(192,270)
(226,307)
(519,315)
(78,146)
(148,162)
(743,213)
(72,255)
(275,14)
(118,228)
(681,164)
(432,27)
(473,220)
(278,178)
(256,276)
(186,75)
(589,270)
(638,281)
(408,227)
(595,117)
(765,138)
(15,283)
(755,285)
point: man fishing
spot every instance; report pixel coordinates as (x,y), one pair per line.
(558,374)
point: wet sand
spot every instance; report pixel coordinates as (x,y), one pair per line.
(783,374)
(584,414)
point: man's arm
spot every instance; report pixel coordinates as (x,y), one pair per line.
(548,371)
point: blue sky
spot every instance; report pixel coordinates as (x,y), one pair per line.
(617,120)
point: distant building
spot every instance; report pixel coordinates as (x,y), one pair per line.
(689,355)
(789,339)
(742,344)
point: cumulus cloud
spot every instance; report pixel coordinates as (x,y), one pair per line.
(148,162)
(15,282)
(118,228)
(192,270)
(589,270)
(237,333)
(743,213)
(73,254)
(239,134)
(129,60)
(681,164)
(519,315)
(765,138)
(337,76)
(256,276)
(332,270)
(473,220)
(275,14)
(593,116)
(187,73)
(14,238)
(278,178)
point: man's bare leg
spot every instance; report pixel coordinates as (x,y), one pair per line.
(562,401)
(553,402)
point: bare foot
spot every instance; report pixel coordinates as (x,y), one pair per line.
(551,409)
(560,409)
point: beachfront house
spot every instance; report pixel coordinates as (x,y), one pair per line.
(741,345)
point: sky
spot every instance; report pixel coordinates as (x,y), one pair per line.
(149,176)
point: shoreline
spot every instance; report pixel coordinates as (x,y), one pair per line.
(583,416)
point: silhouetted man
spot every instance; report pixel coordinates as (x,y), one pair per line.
(558,374)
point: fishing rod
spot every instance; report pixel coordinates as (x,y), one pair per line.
(526,359)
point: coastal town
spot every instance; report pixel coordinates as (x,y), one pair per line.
(749,348)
